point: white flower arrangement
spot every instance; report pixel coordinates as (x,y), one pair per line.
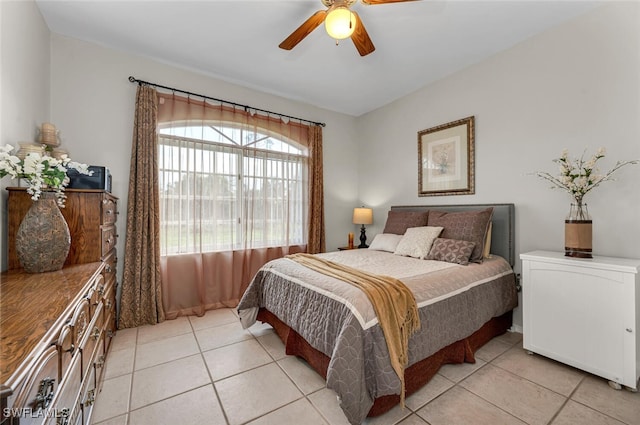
(40,171)
(579,176)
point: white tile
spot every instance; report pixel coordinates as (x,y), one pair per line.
(302,374)
(550,374)
(413,420)
(251,394)
(457,372)
(326,401)
(199,406)
(297,413)
(165,350)
(166,329)
(113,400)
(219,336)
(576,413)
(259,329)
(221,316)
(459,406)
(622,405)
(492,349)
(118,420)
(524,399)
(273,344)
(119,362)
(168,379)
(436,386)
(124,338)
(393,416)
(235,358)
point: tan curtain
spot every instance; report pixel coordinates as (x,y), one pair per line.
(141,284)
(214,240)
(316,242)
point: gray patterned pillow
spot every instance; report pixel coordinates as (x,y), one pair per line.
(451,251)
(469,226)
(399,221)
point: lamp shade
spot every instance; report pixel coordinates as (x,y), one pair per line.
(362,216)
(340,23)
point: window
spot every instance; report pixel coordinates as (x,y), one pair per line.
(225,187)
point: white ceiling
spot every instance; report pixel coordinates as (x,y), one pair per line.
(237,41)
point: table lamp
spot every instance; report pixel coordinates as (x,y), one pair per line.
(363,216)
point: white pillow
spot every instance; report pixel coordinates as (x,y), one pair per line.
(385,242)
(417,241)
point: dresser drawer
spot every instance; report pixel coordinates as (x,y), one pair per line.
(67,400)
(109,210)
(95,293)
(35,397)
(89,344)
(109,239)
(80,322)
(110,265)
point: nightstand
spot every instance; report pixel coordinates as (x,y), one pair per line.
(584,312)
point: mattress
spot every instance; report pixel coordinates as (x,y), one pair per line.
(338,320)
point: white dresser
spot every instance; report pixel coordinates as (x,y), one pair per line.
(584,312)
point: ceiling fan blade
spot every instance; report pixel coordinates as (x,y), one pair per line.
(361,39)
(385,1)
(303,30)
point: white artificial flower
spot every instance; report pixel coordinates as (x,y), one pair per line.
(39,171)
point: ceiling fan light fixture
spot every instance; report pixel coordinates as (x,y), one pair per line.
(340,23)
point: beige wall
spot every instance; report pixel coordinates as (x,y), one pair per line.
(576,86)
(93,106)
(24,85)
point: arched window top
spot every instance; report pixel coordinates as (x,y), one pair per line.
(236,136)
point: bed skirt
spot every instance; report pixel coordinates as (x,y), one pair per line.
(416,376)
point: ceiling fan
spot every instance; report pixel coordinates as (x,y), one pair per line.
(340,22)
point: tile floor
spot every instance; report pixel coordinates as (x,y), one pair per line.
(208,370)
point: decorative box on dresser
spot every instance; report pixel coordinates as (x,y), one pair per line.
(584,312)
(56,328)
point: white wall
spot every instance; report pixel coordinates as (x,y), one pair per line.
(24,85)
(92,104)
(576,86)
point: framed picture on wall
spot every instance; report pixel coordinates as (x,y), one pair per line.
(446,164)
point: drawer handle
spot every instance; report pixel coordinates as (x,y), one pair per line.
(96,333)
(109,211)
(101,290)
(91,398)
(110,333)
(45,393)
(109,240)
(63,417)
(109,304)
(108,268)
(629,330)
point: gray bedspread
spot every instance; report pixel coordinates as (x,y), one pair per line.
(337,319)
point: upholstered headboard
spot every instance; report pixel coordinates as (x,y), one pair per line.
(503,224)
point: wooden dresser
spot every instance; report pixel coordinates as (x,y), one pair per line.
(56,328)
(55,331)
(90,214)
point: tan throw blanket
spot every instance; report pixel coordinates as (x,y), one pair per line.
(393,302)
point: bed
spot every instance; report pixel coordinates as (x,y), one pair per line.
(333,326)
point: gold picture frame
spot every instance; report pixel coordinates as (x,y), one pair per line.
(446,159)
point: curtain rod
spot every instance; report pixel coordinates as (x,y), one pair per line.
(140,82)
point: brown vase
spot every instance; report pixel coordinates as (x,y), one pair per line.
(43,238)
(578,232)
